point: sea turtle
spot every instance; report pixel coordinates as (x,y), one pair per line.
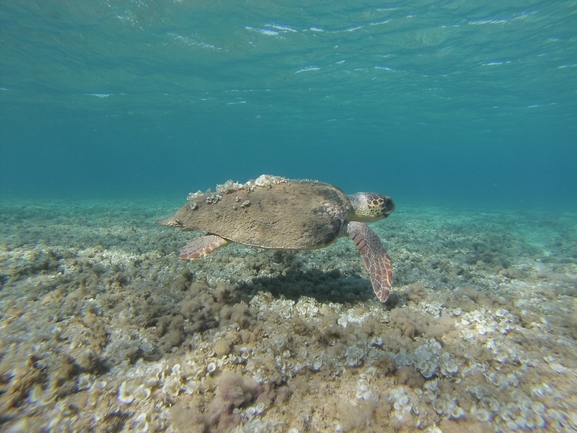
(274,212)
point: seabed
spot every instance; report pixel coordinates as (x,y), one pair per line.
(104,329)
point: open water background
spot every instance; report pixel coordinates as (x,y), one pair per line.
(455,103)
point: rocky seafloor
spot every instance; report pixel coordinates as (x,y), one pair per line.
(104,329)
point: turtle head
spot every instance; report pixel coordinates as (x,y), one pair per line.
(371,206)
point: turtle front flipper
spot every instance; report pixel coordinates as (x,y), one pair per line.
(377,261)
(201,246)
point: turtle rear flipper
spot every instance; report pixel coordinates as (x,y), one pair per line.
(169,222)
(201,246)
(377,261)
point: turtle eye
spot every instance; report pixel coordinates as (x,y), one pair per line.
(388,206)
(381,205)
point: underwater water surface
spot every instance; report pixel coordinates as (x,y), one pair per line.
(112,112)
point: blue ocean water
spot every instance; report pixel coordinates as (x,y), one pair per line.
(453,102)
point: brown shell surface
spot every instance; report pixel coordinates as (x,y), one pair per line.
(290,215)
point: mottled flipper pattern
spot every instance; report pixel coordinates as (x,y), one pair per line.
(376,259)
(201,246)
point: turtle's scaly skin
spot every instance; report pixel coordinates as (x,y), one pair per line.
(292,215)
(201,246)
(371,206)
(375,257)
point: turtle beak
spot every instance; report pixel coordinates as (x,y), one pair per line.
(388,206)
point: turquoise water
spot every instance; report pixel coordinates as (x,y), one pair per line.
(446,102)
